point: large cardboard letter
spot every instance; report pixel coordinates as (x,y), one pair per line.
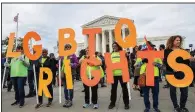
(150,55)
(10,47)
(69,40)
(91,39)
(123,65)
(188,78)
(130,40)
(96,74)
(68,74)
(44,83)
(37,48)
(92,60)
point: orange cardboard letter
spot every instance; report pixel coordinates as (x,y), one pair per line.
(67,71)
(150,55)
(37,48)
(119,65)
(44,83)
(91,39)
(69,40)
(93,73)
(10,47)
(130,40)
(92,60)
(187,80)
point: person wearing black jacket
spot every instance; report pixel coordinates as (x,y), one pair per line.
(44,61)
(32,92)
(192,65)
(173,43)
(53,67)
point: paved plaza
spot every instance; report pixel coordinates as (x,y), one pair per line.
(136,103)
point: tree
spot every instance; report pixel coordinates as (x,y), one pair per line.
(4,43)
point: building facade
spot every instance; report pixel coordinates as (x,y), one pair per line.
(80,46)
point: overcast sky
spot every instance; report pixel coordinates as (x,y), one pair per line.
(150,19)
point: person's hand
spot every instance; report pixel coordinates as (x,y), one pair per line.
(71,64)
(6,64)
(57,65)
(21,58)
(154,63)
(192,59)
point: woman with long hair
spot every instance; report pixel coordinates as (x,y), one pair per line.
(174,43)
(137,66)
(133,57)
(115,57)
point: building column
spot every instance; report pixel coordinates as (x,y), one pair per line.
(110,40)
(85,41)
(103,42)
(123,33)
(98,42)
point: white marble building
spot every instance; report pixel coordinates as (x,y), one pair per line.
(80,46)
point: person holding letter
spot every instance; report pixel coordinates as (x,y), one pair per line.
(94,89)
(155,89)
(68,93)
(175,43)
(115,57)
(19,71)
(44,61)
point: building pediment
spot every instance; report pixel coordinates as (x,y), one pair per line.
(102,21)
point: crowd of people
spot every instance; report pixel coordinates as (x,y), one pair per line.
(20,70)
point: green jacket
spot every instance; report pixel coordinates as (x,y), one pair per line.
(18,69)
(156,69)
(115,58)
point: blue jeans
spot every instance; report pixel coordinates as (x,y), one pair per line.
(68,93)
(18,83)
(155,92)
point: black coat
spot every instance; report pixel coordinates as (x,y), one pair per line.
(179,74)
(53,64)
(47,64)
